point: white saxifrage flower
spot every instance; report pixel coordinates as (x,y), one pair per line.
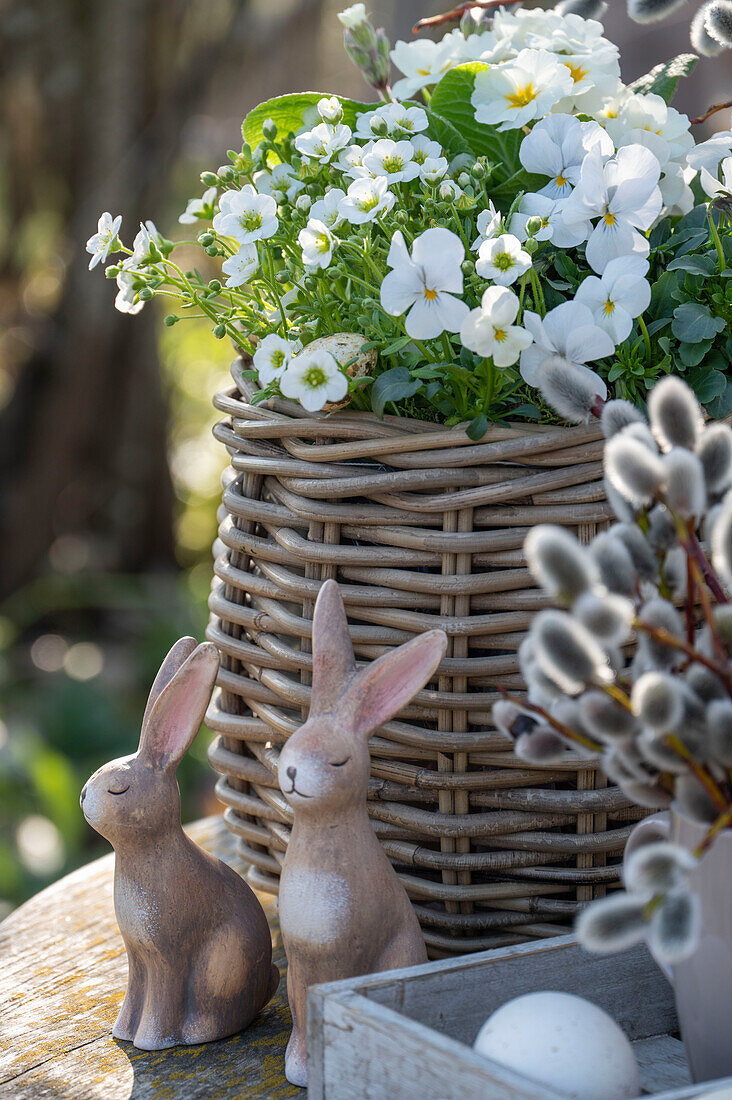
(281,179)
(394,160)
(510,94)
(330,109)
(327,210)
(490,331)
(147,236)
(365,200)
(323,141)
(423,147)
(710,183)
(199,208)
(246,216)
(488,224)
(353,16)
(433,169)
(623,194)
(350,161)
(240,267)
(127,300)
(410,120)
(272,358)
(502,259)
(100,243)
(423,62)
(424,284)
(316,242)
(569,335)
(556,147)
(313,379)
(621,294)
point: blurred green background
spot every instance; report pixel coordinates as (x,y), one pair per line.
(109,476)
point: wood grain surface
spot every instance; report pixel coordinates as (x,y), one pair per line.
(63,972)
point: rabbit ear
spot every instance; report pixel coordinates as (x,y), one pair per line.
(179,653)
(384,687)
(333,662)
(177,713)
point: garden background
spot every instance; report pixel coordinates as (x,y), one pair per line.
(109,475)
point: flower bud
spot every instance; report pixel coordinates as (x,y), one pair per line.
(675,414)
(478,170)
(303,203)
(650,11)
(567,653)
(269,129)
(617,414)
(474,21)
(227,174)
(700,37)
(171,320)
(533,226)
(215,286)
(209,179)
(401,217)
(632,468)
(368,49)
(206,238)
(219,332)
(467,267)
(685,492)
(212,250)
(379,126)
(561,565)
(531,245)
(675,927)
(718,22)
(112,272)
(145,294)
(611,924)
(245,160)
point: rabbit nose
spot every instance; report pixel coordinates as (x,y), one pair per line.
(291,772)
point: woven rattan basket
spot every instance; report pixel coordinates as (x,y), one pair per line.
(421,527)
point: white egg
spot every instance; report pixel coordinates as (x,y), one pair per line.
(564,1042)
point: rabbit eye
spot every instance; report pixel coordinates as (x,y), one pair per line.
(339,763)
(119,792)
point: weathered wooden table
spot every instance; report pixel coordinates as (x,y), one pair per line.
(62,978)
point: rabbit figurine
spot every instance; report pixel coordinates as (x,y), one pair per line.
(343,910)
(198,945)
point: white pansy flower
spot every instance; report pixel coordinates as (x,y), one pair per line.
(323,141)
(313,378)
(424,284)
(490,331)
(353,16)
(423,62)
(710,183)
(621,294)
(525,26)
(489,223)
(502,259)
(246,216)
(240,267)
(350,160)
(327,210)
(623,194)
(675,185)
(433,169)
(199,208)
(365,200)
(394,160)
(593,62)
(330,109)
(423,147)
(272,357)
(100,243)
(127,300)
(708,154)
(512,93)
(648,120)
(557,146)
(316,242)
(567,334)
(282,178)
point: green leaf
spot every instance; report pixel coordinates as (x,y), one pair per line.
(477,428)
(693,322)
(692,354)
(707,384)
(449,137)
(526,412)
(393,385)
(722,406)
(286,111)
(695,264)
(663,78)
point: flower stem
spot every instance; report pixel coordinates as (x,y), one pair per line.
(646,339)
(716,239)
(566,731)
(698,770)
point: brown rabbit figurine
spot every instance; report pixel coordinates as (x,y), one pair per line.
(343,910)
(199,950)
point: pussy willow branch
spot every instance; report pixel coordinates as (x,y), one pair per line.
(698,770)
(723,822)
(664,637)
(456,13)
(692,546)
(711,111)
(719,649)
(566,731)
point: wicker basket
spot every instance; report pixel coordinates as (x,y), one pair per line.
(422,528)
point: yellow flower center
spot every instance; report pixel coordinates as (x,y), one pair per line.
(609,306)
(393,164)
(430,294)
(609,219)
(420,156)
(560,181)
(278,358)
(251,220)
(499,334)
(314,377)
(368,202)
(578,73)
(503,261)
(522,96)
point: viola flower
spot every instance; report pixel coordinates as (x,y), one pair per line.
(423,62)
(316,241)
(281,180)
(394,160)
(648,120)
(623,194)
(569,335)
(490,331)
(101,242)
(488,223)
(512,93)
(326,210)
(433,169)
(557,146)
(708,154)
(365,200)
(241,266)
(313,378)
(199,208)
(246,216)
(272,358)
(323,141)
(424,284)
(502,260)
(620,295)
(422,148)
(711,184)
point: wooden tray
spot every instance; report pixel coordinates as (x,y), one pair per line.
(408,1034)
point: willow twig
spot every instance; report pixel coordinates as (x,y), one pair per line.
(711,111)
(698,770)
(455,13)
(566,731)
